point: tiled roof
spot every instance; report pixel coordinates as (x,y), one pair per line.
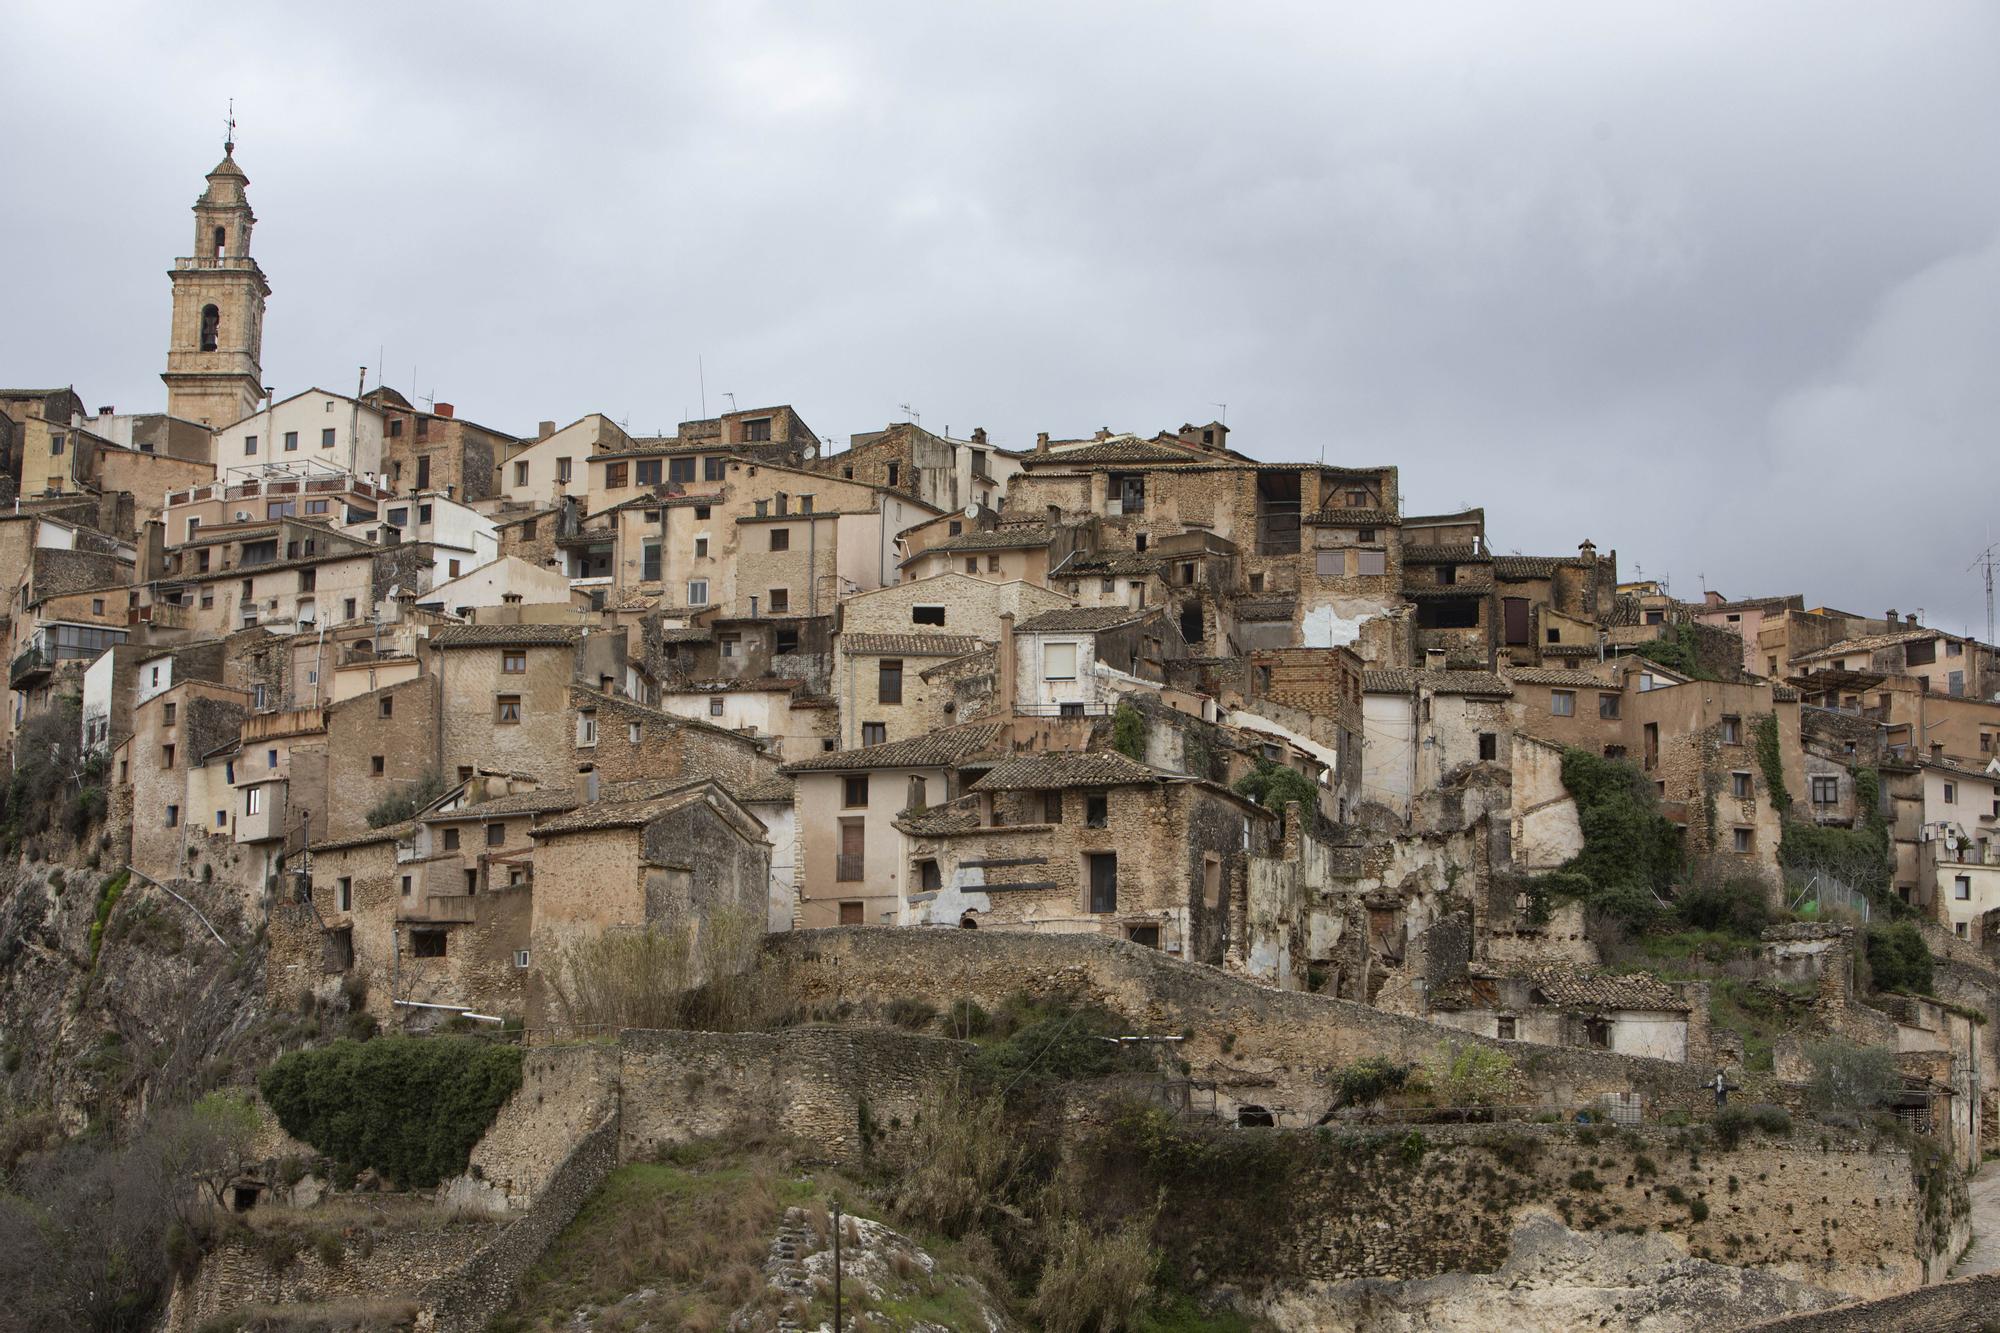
(1789,602)
(1552,676)
(1518,567)
(392,833)
(1442,592)
(773,788)
(1351,518)
(1100,564)
(607,813)
(1127,450)
(504,636)
(909,645)
(1784,694)
(1868,643)
(514,803)
(1096,768)
(939,749)
(1083,618)
(1019,538)
(961,816)
(1452,553)
(686,634)
(1265,608)
(981,659)
(1437,682)
(1560,985)
(1568,650)
(1948,766)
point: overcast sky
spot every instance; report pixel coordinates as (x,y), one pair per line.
(1716,285)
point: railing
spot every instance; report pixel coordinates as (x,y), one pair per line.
(27,662)
(847,868)
(1066,710)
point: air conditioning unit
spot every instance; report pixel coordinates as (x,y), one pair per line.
(242,516)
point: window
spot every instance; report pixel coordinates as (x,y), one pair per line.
(728,643)
(521,957)
(250,445)
(406,886)
(712,470)
(632,733)
(1745,841)
(698,588)
(927,615)
(1059,661)
(781,599)
(291,441)
(1504,1027)
(221,818)
(173,816)
(344,893)
(167,712)
(521,479)
(701,548)
(874,733)
(514,662)
(1562,703)
(854,791)
(508,708)
(270,758)
(1371,562)
(1825,790)
(928,878)
(1489,746)
(326,438)
(889,681)
(786,639)
(715,708)
(1955,684)
(850,912)
(527,529)
(423,511)
(586,726)
(1332,564)
(1739,786)
(496,835)
(649,562)
(1961,887)
(1732,730)
(55,443)
(1951,793)
(972,564)
(427,943)
(1958,928)
(781,539)
(166,756)
(1102,873)
(451,839)
(563,472)
(377,765)
(1052,807)
(756,429)
(1597,1033)
(614,476)
(1607,707)
(1096,811)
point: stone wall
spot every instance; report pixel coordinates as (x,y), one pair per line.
(847,1093)
(1271,1048)
(1949,1307)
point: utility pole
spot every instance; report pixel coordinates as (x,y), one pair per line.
(835,1206)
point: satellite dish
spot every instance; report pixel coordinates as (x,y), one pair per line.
(972,510)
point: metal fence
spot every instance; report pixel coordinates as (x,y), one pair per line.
(1831,894)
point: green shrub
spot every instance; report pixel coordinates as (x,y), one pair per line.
(399,806)
(410,1108)
(1128,732)
(1732,1123)
(1275,786)
(1631,852)
(107,899)
(1732,906)
(1849,1080)
(1587,1181)
(915,1015)
(967,1020)
(1367,1080)
(1697,1210)
(1898,958)
(1468,1074)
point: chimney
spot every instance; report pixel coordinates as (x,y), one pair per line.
(1041,441)
(1892,617)
(979,434)
(1587,549)
(586,784)
(545,429)
(443,409)
(1434,659)
(1103,433)
(1910,619)
(107,411)
(1005,667)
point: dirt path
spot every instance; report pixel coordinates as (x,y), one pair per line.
(1983,1255)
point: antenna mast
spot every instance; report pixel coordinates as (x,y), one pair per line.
(1987,559)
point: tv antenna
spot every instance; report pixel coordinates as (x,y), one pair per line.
(1222,420)
(229,129)
(732,399)
(1986,559)
(916,417)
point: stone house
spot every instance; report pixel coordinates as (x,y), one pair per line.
(437,449)
(276,493)
(1958,854)
(851,864)
(379,744)
(1008,552)
(780,714)
(1091,842)
(1947,664)
(505,694)
(1962,729)
(621,740)
(325,432)
(942,472)
(1420,726)
(1746,616)
(1698,743)
(1073,662)
(879,687)
(1192,575)
(674,855)
(171,732)
(1553,610)
(539,472)
(505,581)
(1553,1005)
(1451,585)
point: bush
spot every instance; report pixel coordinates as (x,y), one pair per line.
(1732,906)
(1631,852)
(1468,1074)
(915,1015)
(965,1152)
(1848,1080)
(1044,1045)
(1367,1080)
(967,1020)
(399,806)
(1732,1123)
(1898,958)
(410,1108)
(1093,1282)
(1275,786)
(1128,732)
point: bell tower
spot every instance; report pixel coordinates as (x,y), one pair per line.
(214,373)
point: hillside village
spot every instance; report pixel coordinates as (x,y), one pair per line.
(427,715)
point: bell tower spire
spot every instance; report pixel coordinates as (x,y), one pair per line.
(215,345)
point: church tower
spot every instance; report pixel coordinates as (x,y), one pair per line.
(214,349)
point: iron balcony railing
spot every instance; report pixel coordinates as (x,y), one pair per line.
(847,868)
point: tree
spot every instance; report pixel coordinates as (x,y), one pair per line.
(1275,786)
(1898,958)
(1849,1080)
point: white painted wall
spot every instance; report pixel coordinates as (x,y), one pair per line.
(356,427)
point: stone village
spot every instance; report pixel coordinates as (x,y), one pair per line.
(1258,756)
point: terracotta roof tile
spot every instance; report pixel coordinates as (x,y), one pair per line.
(1265,608)
(939,749)
(504,636)
(1095,768)
(1438,682)
(1520,567)
(910,645)
(1084,619)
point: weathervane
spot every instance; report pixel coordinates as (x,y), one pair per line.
(229,131)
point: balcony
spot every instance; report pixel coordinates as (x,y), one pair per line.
(446,909)
(30,667)
(847,868)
